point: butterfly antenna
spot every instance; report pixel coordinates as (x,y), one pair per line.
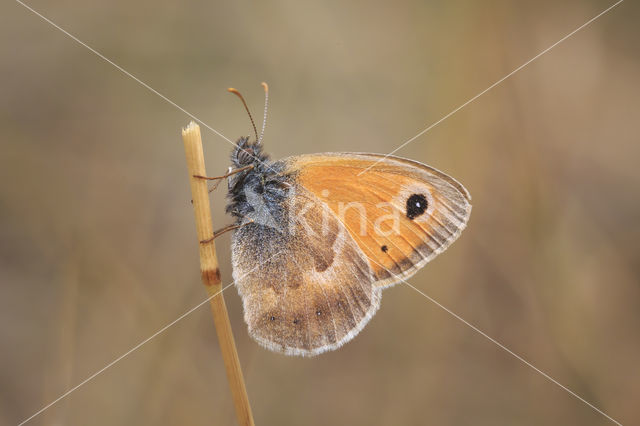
(235,92)
(266,106)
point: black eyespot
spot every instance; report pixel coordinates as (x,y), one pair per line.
(295,321)
(318,312)
(384,248)
(272,318)
(416,205)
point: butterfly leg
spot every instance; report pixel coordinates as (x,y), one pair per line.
(219,179)
(224,176)
(223,230)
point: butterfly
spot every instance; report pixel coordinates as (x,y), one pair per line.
(317,237)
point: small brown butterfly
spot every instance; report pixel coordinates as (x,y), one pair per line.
(320,235)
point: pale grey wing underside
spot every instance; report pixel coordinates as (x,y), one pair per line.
(306,290)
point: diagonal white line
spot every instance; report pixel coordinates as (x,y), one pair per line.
(128,74)
(493,85)
(136,347)
(125,72)
(503,347)
(518,357)
(67,393)
(121,357)
(491,339)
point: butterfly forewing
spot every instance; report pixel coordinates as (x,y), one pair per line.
(400,213)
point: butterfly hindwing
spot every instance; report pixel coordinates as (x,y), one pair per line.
(306,286)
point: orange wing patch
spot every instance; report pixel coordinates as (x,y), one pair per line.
(400,213)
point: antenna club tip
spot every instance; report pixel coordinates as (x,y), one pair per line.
(265,85)
(232,90)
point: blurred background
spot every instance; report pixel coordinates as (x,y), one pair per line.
(97,241)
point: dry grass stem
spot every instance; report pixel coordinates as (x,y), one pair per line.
(211,273)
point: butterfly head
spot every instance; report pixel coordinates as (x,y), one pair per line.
(258,192)
(248,153)
(261,187)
